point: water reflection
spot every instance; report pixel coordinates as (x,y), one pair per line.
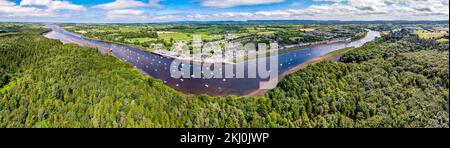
(159,67)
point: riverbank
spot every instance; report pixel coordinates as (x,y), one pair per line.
(158,66)
(241,56)
(288,48)
(332,56)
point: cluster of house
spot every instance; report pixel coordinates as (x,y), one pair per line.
(233,50)
(337,40)
(221,51)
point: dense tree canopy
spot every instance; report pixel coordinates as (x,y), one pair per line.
(396,81)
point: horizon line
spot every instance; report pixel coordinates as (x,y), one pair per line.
(212,21)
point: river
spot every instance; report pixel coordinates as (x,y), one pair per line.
(159,67)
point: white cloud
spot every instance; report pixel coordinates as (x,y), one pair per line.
(38,9)
(125,12)
(371,5)
(126,15)
(339,10)
(53,4)
(123,9)
(6,3)
(335,1)
(18,11)
(126,4)
(12,10)
(234,3)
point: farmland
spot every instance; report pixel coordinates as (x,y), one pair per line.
(435,34)
(396,81)
(150,36)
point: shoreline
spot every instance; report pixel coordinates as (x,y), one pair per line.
(238,60)
(327,57)
(332,56)
(312,44)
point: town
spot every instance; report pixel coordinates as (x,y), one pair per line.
(227,43)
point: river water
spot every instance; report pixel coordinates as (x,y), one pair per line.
(159,67)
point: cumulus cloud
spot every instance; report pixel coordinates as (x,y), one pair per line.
(126,10)
(18,11)
(6,3)
(125,14)
(123,9)
(335,1)
(27,8)
(53,4)
(234,3)
(126,4)
(338,10)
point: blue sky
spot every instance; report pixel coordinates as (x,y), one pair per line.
(209,10)
(196,4)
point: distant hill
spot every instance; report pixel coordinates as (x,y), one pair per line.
(306,22)
(250,22)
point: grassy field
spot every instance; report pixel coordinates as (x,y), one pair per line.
(266,33)
(174,35)
(141,40)
(8,33)
(308,29)
(147,35)
(442,40)
(430,34)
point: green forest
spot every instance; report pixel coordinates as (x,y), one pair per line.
(399,80)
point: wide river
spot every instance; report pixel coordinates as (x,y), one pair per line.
(159,67)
